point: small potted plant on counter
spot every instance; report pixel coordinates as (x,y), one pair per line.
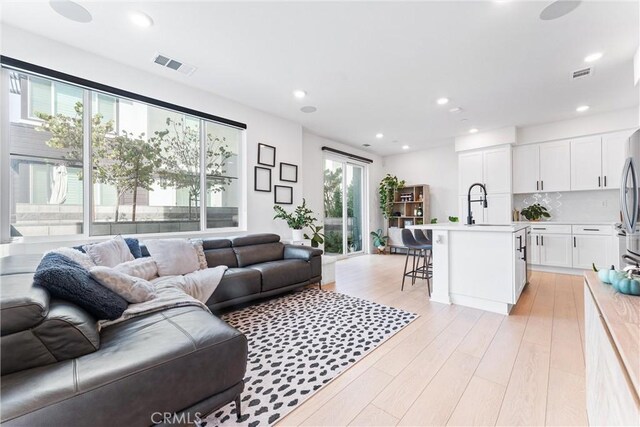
(379,241)
(300,218)
(535,212)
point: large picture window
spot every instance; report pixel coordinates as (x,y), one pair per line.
(145,173)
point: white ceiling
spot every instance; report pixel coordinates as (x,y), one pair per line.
(373,66)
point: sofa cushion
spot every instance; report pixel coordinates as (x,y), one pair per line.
(216,257)
(254,254)
(144,268)
(132,243)
(254,239)
(133,289)
(216,243)
(81,258)
(18,264)
(236,283)
(173,256)
(65,279)
(66,332)
(277,274)
(147,358)
(109,253)
(22,305)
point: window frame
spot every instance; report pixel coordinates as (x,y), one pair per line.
(8,66)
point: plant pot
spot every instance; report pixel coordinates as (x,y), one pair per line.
(381,248)
(297,235)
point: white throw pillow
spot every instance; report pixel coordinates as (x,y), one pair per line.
(144,268)
(132,289)
(84,260)
(202,258)
(173,256)
(109,253)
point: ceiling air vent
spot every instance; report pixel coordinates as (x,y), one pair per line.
(174,64)
(582,73)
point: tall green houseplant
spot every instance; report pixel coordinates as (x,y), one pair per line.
(387,188)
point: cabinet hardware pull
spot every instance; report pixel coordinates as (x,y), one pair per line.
(574,242)
(591,229)
(537,242)
(537,185)
(539,228)
(541,185)
(542,240)
(605,180)
(598,181)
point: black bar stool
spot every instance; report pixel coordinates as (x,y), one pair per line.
(425,237)
(414,249)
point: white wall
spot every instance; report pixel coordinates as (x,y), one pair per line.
(436,167)
(285,135)
(580,126)
(313,176)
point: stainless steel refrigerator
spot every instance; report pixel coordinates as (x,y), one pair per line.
(630,201)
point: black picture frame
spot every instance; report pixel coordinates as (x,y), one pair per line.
(282,195)
(264,152)
(260,174)
(286,169)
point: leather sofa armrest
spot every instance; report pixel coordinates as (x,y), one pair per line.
(300,252)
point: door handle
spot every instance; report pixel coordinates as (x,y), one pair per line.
(598,181)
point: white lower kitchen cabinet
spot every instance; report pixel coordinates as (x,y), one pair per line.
(591,249)
(555,250)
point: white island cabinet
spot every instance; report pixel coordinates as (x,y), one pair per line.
(480,266)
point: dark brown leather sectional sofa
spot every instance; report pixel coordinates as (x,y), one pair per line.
(58,369)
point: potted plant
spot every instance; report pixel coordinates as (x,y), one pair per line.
(317,238)
(379,241)
(386,191)
(300,218)
(453,219)
(535,212)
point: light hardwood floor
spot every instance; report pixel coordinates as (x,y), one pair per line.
(456,365)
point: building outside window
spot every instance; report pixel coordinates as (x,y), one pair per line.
(145,164)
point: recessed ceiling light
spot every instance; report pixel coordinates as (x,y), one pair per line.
(71,10)
(405,147)
(593,57)
(379,135)
(308,109)
(141,19)
(299,94)
(442,101)
(473,130)
(455,110)
(582,108)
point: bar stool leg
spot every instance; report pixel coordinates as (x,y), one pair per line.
(404,273)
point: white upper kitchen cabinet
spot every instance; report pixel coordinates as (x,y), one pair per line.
(614,153)
(498,210)
(542,167)
(470,170)
(555,170)
(586,163)
(497,170)
(526,169)
(491,167)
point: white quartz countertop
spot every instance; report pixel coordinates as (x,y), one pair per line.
(577,222)
(455,226)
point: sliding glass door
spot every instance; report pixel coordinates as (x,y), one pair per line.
(343,207)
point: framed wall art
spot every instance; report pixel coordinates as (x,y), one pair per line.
(283,195)
(266,155)
(262,179)
(288,172)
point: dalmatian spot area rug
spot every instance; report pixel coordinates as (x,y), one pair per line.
(300,342)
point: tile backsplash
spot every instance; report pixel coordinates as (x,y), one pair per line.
(599,205)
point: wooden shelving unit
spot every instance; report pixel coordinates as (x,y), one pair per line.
(408,201)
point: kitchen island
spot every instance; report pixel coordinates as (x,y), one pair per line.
(481,266)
